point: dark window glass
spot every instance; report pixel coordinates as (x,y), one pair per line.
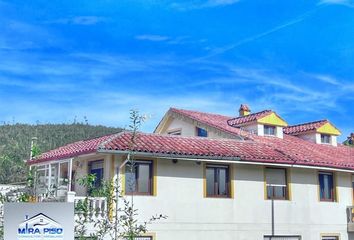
(96,168)
(202,132)
(326,186)
(330,238)
(175,132)
(276,181)
(325,138)
(269,130)
(217,181)
(138,177)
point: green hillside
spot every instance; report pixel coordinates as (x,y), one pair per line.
(15,141)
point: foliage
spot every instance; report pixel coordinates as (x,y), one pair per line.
(125,224)
(15,143)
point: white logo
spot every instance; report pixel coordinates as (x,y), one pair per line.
(41,227)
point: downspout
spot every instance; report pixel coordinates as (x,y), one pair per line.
(117,194)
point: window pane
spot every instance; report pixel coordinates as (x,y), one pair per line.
(276,183)
(325,138)
(279,192)
(130,178)
(222,180)
(201,132)
(269,130)
(330,238)
(210,179)
(64,174)
(326,186)
(96,168)
(144,178)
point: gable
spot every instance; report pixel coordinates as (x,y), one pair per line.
(272,119)
(328,128)
(164,124)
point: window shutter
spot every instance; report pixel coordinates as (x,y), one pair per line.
(276,177)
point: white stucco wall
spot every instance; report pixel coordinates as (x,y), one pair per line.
(189,129)
(316,138)
(246,216)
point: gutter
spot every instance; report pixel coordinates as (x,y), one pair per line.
(220,159)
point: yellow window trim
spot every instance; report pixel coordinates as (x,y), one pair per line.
(154,177)
(273,119)
(110,204)
(231,176)
(329,129)
(288,183)
(335,182)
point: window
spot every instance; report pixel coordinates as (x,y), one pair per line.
(217,181)
(325,138)
(282,237)
(269,130)
(175,132)
(96,168)
(202,132)
(143,238)
(330,238)
(276,183)
(326,182)
(138,177)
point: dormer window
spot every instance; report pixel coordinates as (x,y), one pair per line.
(201,132)
(177,132)
(325,139)
(269,130)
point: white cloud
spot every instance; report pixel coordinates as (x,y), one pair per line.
(348,3)
(200,4)
(78,20)
(151,37)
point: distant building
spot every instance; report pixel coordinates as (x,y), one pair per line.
(214,176)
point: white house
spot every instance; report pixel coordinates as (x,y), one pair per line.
(215,176)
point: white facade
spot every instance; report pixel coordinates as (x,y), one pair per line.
(248,214)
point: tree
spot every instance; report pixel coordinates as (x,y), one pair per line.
(123,224)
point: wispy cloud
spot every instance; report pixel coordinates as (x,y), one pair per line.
(277,28)
(348,3)
(152,37)
(200,4)
(78,20)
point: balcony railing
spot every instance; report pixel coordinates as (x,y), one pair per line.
(96,207)
(350,218)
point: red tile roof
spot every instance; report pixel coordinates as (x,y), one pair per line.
(72,150)
(248,118)
(196,147)
(304,127)
(214,120)
(289,150)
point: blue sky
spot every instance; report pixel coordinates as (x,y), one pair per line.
(61,59)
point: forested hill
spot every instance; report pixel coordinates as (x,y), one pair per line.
(15,142)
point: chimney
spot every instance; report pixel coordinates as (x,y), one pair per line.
(244,110)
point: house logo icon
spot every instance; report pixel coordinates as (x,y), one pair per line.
(40,227)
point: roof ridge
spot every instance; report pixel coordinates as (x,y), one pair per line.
(102,144)
(306,123)
(215,114)
(252,114)
(191,137)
